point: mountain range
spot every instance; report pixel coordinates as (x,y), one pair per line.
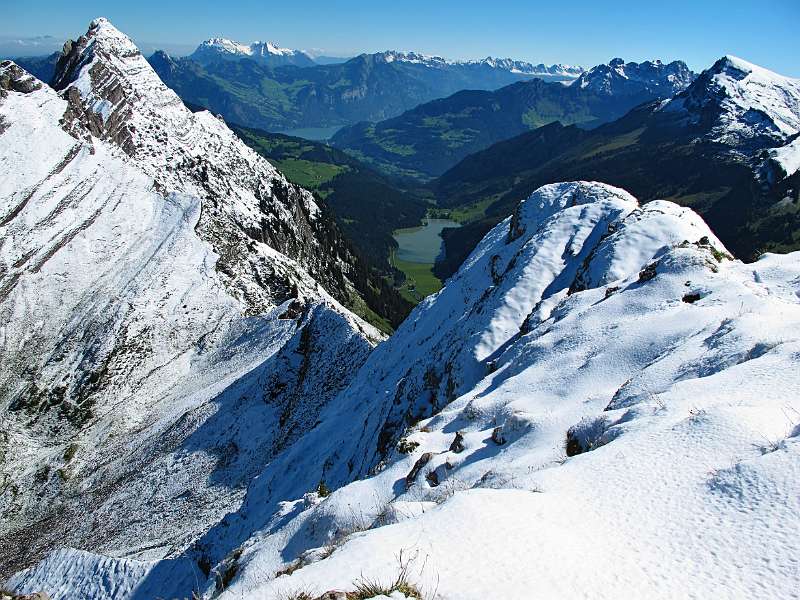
(427,140)
(602,401)
(260,94)
(725,146)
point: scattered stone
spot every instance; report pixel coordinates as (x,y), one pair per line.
(421,462)
(498,437)
(647,273)
(457,445)
(433,478)
(406,446)
(293,311)
(333,595)
(611,290)
(691,298)
(573,446)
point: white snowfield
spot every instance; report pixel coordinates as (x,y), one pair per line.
(600,404)
(141,387)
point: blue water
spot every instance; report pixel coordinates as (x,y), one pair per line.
(317,134)
(422,244)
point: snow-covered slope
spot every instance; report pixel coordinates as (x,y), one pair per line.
(601,403)
(267,53)
(588,325)
(746,108)
(163,335)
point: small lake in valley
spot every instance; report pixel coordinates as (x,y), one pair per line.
(422,244)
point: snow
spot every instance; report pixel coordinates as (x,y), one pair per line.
(788,157)
(762,90)
(688,412)
(78,574)
(749,104)
(682,404)
(225,46)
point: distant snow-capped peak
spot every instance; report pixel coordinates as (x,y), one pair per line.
(257,48)
(269,52)
(739,88)
(521,66)
(504,64)
(619,77)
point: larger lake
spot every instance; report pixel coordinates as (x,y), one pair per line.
(422,244)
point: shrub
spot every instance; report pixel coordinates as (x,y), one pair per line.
(406,446)
(322,490)
(369,588)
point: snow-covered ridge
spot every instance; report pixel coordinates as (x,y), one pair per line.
(163,335)
(748,109)
(583,324)
(750,87)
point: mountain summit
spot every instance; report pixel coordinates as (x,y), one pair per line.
(747,108)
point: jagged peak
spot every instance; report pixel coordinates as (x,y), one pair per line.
(112,39)
(614,76)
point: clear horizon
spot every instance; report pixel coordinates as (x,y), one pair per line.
(584,34)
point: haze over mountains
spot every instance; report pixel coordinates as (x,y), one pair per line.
(429,139)
(195,398)
(258,93)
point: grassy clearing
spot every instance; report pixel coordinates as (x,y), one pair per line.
(620,141)
(310,175)
(463,214)
(420,280)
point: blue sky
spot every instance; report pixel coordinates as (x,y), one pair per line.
(577,32)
